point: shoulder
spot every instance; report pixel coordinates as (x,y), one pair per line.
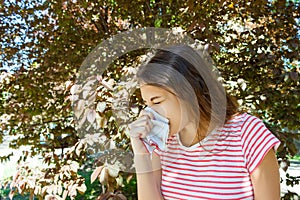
(241,123)
(236,121)
(242,119)
(244,116)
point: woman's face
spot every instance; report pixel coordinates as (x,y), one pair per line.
(166,104)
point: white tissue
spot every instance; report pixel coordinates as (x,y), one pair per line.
(158,135)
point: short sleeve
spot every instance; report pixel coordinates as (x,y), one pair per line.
(256,140)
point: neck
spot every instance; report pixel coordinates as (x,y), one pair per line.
(190,136)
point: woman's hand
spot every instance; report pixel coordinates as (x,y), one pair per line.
(138,130)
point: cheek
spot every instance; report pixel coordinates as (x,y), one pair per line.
(179,118)
(175,121)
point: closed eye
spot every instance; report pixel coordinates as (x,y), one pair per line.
(158,100)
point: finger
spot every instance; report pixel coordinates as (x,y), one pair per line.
(143,121)
(137,129)
(138,132)
(142,126)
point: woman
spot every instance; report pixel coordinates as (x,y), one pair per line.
(213,151)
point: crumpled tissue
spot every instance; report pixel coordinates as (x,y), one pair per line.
(158,135)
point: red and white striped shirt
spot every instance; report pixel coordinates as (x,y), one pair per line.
(220,166)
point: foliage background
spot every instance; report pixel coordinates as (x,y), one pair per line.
(255,45)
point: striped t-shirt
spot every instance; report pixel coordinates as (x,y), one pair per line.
(220,166)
